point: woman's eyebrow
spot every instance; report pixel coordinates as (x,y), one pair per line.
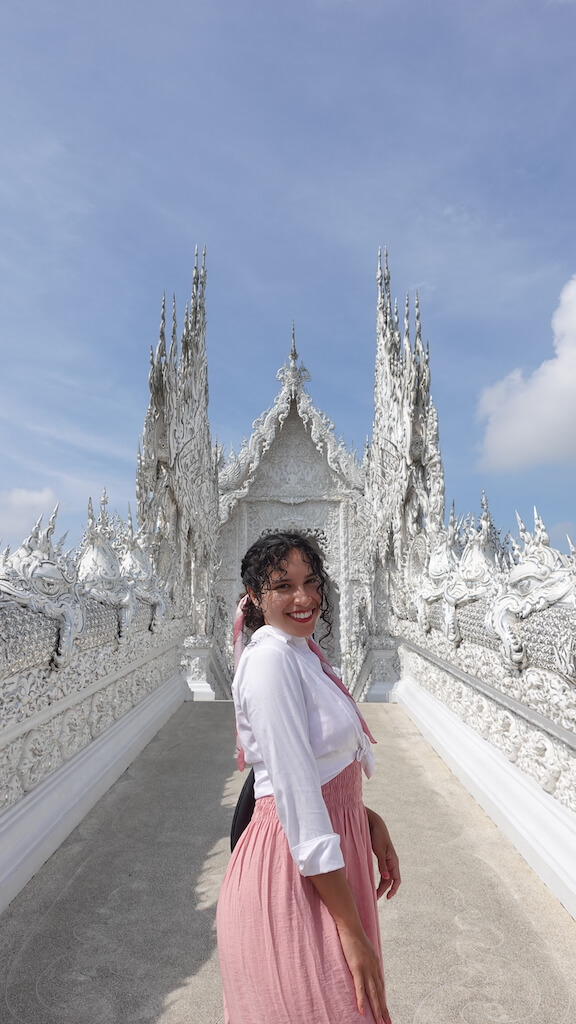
(288,579)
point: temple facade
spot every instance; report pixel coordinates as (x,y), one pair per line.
(473,635)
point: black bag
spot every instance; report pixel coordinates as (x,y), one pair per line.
(244,809)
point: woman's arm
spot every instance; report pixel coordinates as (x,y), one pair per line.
(386,855)
(361,957)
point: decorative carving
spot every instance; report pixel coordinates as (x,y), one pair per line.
(99,567)
(40,754)
(40,577)
(177,476)
(342,468)
(541,577)
(541,756)
(405,485)
(292,474)
(30,757)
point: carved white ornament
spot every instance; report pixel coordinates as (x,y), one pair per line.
(542,756)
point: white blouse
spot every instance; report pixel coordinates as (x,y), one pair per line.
(298,731)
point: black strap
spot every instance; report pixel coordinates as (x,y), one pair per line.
(244,809)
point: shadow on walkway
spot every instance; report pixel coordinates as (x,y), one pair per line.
(118,926)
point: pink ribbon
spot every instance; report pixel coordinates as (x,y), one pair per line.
(237,648)
(327,667)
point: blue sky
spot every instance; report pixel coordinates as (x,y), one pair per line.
(292,140)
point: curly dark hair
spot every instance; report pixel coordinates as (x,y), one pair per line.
(269,555)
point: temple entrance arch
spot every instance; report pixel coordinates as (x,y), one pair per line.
(293,475)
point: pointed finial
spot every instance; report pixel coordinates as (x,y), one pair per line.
(203,272)
(163,316)
(419,344)
(52,522)
(195,277)
(174,343)
(161,349)
(291,376)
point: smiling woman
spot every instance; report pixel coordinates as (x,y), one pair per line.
(286,583)
(294,599)
(298,931)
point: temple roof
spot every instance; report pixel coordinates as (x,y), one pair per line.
(238,473)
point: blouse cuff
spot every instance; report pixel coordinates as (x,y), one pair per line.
(317,856)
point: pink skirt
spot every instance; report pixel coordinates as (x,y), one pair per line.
(280,955)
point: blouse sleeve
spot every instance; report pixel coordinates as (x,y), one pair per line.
(271,698)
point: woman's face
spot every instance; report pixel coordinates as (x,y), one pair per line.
(294,600)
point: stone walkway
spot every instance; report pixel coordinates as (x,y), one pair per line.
(118,926)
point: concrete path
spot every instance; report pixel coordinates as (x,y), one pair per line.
(118,926)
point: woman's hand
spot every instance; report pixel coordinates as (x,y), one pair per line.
(364,966)
(359,953)
(383,848)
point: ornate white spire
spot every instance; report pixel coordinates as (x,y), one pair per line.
(293,377)
(176,481)
(406,483)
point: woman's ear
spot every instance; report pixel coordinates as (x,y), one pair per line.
(252,597)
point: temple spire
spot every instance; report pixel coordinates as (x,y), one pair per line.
(407,322)
(383,277)
(161,350)
(174,342)
(195,276)
(293,377)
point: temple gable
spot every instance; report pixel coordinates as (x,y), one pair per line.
(292,474)
(293,470)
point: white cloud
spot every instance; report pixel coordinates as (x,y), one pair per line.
(531,421)
(19,510)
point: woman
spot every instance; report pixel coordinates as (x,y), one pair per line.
(297,921)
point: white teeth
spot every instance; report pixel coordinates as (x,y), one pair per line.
(301,615)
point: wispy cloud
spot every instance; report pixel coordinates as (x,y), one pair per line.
(20,508)
(531,420)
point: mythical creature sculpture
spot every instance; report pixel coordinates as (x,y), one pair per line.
(41,577)
(475,573)
(136,567)
(540,578)
(99,567)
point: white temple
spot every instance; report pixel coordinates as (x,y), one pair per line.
(472,635)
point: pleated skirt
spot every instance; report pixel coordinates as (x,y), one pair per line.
(280,956)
